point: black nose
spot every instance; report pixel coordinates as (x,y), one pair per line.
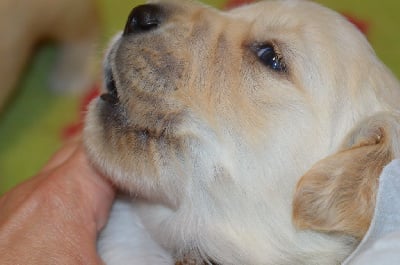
(144,18)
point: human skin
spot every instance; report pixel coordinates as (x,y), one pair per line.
(55,217)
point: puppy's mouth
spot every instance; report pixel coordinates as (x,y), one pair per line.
(111,96)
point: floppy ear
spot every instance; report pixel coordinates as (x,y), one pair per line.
(338,193)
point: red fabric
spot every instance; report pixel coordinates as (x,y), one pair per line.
(234,3)
(361,24)
(74,129)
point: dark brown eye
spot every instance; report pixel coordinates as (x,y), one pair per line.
(270,58)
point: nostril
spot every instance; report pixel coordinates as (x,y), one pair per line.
(144,18)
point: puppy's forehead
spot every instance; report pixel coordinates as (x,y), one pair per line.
(273,8)
(278,15)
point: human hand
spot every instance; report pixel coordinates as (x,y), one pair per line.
(54,218)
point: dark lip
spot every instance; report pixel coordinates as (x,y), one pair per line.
(111,96)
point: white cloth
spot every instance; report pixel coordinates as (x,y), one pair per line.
(381,244)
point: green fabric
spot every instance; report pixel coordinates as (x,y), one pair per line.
(30,128)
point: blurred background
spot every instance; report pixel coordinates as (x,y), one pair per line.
(37,120)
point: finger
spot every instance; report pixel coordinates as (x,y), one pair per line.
(98,190)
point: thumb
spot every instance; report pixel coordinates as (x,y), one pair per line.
(98,191)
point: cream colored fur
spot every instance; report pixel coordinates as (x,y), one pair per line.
(209,143)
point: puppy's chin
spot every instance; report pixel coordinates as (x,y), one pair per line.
(143,161)
(100,135)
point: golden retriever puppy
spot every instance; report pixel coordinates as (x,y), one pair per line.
(210,118)
(25,23)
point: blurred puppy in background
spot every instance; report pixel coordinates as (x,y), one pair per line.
(73,24)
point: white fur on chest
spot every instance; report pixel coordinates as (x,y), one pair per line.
(126,241)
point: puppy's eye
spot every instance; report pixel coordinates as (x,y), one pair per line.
(270,58)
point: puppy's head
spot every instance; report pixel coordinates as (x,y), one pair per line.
(215,116)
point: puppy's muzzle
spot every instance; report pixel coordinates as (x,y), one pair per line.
(144,18)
